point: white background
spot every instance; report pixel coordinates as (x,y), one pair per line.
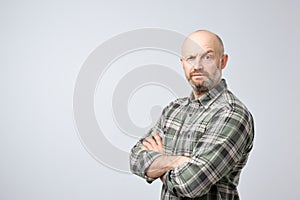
(43,45)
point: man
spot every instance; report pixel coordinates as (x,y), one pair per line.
(200,143)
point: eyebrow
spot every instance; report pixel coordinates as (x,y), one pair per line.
(207,52)
(204,54)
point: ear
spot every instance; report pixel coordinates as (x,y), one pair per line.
(224,61)
(181,61)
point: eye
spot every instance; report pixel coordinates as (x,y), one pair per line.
(208,57)
(190,58)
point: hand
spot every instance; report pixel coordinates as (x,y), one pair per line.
(162,179)
(153,143)
(179,161)
(164,163)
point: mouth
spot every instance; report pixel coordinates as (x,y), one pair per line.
(198,74)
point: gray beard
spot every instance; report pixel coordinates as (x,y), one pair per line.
(207,85)
(199,88)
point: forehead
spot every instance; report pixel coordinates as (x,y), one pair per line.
(200,43)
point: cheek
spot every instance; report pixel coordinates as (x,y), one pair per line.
(213,67)
(187,68)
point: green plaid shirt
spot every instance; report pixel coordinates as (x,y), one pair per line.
(215,131)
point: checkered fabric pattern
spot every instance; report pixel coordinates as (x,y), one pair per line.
(216,131)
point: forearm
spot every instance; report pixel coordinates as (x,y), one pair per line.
(164,163)
(147,159)
(140,160)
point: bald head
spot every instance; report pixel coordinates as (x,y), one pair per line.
(202,40)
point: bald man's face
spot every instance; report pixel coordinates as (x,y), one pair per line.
(203,61)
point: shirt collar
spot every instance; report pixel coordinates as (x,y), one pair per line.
(206,99)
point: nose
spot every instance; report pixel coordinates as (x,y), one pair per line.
(197,63)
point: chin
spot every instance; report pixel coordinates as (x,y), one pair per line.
(198,83)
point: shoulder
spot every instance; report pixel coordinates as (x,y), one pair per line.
(179,101)
(234,103)
(234,116)
(176,104)
(232,107)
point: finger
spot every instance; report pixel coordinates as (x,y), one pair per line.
(151,141)
(147,145)
(158,141)
(144,148)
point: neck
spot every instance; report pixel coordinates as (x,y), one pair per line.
(198,94)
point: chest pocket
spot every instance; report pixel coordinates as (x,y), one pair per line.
(182,136)
(200,128)
(197,131)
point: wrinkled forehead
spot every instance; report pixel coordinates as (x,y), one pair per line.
(191,47)
(198,45)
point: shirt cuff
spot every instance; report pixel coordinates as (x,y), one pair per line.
(151,156)
(168,184)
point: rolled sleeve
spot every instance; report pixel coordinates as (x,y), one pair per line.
(140,160)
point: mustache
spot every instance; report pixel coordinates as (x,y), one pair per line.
(196,72)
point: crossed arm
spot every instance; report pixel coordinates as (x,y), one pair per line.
(225,144)
(163,163)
